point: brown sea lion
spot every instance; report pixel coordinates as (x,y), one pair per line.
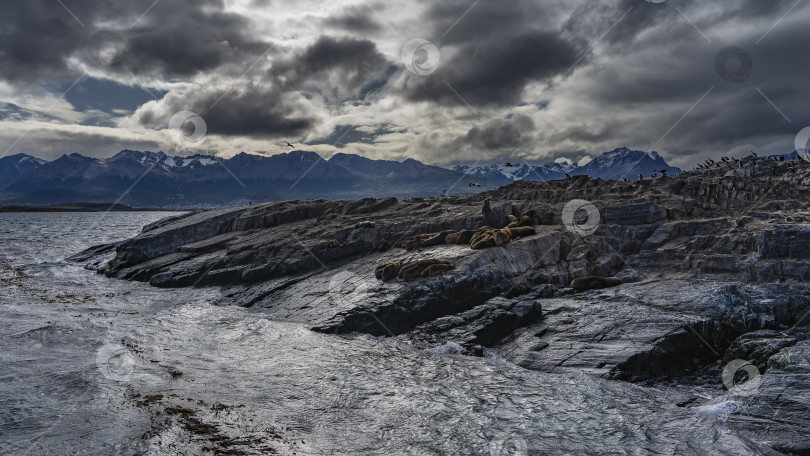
(390,271)
(482,242)
(511,218)
(518,232)
(592,282)
(513,224)
(436,270)
(501,237)
(478,236)
(437,239)
(332,244)
(525,220)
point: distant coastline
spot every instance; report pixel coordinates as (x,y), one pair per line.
(85,207)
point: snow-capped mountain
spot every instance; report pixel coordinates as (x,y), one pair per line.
(510,171)
(14,166)
(616,164)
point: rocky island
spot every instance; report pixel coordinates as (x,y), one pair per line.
(709,307)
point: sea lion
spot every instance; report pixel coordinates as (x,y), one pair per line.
(482,242)
(479,235)
(513,224)
(379,270)
(383,245)
(436,270)
(332,244)
(437,239)
(592,282)
(460,237)
(501,237)
(390,271)
(521,231)
(512,218)
(525,220)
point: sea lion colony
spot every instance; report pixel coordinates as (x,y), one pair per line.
(480,238)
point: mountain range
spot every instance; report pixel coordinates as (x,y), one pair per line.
(154,179)
(622,163)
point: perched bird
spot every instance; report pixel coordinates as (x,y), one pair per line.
(654,174)
(752,153)
(566,175)
(640,177)
(624,179)
(663,172)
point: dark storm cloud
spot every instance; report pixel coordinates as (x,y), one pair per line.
(492,53)
(174,38)
(499,134)
(336,67)
(663,62)
(250,110)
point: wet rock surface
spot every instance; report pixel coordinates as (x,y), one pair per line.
(713,263)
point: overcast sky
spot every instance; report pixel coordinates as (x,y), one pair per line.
(443,81)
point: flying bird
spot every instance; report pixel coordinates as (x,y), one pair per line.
(289,145)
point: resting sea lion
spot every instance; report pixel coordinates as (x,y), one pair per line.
(525,220)
(479,235)
(439,238)
(483,242)
(332,244)
(591,282)
(521,231)
(501,237)
(461,237)
(512,218)
(390,271)
(513,224)
(435,270)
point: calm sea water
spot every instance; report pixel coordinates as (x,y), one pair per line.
(91,365)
